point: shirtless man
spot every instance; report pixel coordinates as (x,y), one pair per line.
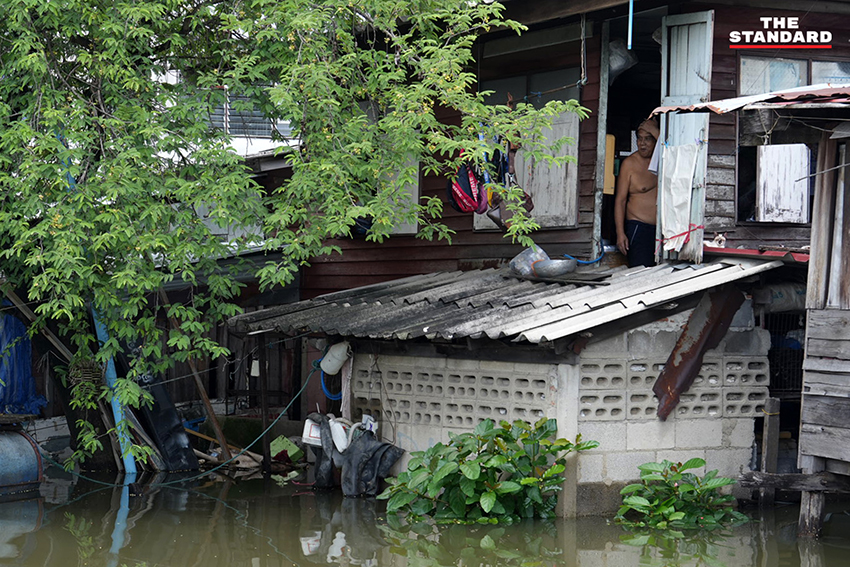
(635,200)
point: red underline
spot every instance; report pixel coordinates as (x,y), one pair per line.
(783,46)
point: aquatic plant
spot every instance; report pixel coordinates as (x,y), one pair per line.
(508,471)
(672,548)
(669,497)
(531,543)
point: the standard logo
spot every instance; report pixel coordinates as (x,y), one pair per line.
(781,33)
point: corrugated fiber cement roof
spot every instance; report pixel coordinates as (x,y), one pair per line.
(495,303)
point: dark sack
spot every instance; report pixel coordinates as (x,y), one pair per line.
(464,190)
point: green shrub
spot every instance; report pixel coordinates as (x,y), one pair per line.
(513,470)
(668,497)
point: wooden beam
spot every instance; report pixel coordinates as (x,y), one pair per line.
(812,505)
(546,10)
(27,312)
(796,482)
(823,218)
(769,448)
(199,384)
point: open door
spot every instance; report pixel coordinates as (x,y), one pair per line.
(686,50)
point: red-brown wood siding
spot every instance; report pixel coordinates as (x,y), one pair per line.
(362,263)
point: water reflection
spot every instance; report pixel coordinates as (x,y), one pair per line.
(220,522)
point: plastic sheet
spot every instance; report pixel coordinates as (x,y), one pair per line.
(17,385)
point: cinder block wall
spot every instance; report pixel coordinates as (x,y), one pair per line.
(607,397)
(714,419)
(420,400)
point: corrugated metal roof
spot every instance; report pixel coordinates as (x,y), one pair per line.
(495,303)
(822,93)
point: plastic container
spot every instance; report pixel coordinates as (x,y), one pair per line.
(312,434)
(521,264)
(335,358)
(339,434)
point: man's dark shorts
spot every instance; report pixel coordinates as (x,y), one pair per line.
(641,243)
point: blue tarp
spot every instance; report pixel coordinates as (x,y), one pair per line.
(17,385)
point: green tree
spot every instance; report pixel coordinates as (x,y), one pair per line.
(113,180)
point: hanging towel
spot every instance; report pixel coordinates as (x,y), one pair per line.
(676,185)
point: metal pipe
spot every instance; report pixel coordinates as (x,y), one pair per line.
(117,409)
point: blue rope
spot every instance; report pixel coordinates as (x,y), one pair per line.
(585,261)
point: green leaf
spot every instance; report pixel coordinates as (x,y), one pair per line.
(717,483)
(487,500)
(694,463)
(651,467)
(487,543)
(421,506)
(676,516)
(636,501)
(418,479)
(457,502)
(628,489)
(496,461)
(508,487)
(399,500)
(442,472)
(467,486)
(471,470)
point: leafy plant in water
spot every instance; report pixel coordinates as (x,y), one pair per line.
(528,544)
(670,548)
(668,497)
(510,471)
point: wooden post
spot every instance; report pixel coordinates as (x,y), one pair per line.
(769,448)
(264,406)
(811,553)
(812,505)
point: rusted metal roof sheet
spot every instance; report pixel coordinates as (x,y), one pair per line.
(822,93)
(495,303)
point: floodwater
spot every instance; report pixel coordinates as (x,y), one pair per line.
(215,521)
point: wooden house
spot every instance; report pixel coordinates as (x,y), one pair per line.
(681,53)
(824,420)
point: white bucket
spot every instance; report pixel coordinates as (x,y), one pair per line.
(335,358)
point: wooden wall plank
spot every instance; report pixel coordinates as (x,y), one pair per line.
(826,410)
(818,384)
(827,365)
(822,219)
(830,324)
(828,349)
(823,441)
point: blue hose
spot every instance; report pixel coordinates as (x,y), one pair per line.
(331,397)
(585,261)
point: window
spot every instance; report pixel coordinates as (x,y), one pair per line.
(767,74)
(764,75)
(237,120)
(554,189)
(782,183)
(773,168)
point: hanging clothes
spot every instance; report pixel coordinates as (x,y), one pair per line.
(676,185)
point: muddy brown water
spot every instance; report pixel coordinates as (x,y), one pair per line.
(216,522)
